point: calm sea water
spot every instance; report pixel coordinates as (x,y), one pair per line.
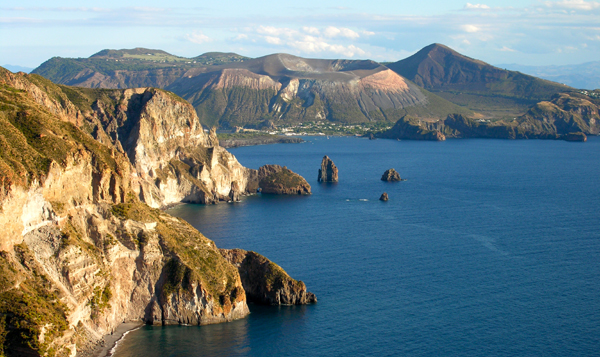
(490,248)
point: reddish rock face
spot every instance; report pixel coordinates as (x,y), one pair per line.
(328,171)
(384,197)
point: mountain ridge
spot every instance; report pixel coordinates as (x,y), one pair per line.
(292,89)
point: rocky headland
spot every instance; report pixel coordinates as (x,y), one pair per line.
(328,171)
(274,179)
(84,246)
(266,282)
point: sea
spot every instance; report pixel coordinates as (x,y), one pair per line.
(489,248)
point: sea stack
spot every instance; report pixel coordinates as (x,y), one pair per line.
(328,171)
(384,197)
(391,175)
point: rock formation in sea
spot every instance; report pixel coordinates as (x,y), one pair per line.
(384,197)
(328,171)
(391,175)
(266,282)
(278,180)
(575,137)
(83,246)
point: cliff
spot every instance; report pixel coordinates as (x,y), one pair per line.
(81,249)
(174,159)
(266,282)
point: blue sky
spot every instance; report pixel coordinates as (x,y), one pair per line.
(535,32)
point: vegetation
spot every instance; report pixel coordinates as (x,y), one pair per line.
(29,308)
(191,251)
(284,177)
(61,70)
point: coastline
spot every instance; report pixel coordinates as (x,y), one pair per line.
(109,342)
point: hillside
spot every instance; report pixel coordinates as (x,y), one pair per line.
(567,116)
(475,84)
(228,90)
(82,248)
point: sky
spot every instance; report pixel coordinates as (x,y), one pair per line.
(538,32)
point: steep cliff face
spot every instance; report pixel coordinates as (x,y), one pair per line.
(80,253)
(266,282)
(80,250)
(174,159)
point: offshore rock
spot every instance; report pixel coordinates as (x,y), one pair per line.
(384,197)
(278,180)
(266,282)
(328,171)
(391,175)
(575,137)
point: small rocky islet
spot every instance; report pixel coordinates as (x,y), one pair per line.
(328,171)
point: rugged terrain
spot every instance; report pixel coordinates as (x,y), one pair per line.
(465,81)
(266,282)
(82,248)
(274,179)
(568,116)
(238,91)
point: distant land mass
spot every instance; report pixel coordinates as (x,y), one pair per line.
(433,94)
(16,69)
(584,76)
(479,86)
(238,91)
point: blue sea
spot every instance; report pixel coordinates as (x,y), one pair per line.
(489,248)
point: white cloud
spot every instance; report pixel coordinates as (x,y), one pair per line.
(470,28)
(332,32)
(311,30)
(197,37)
(241,36)
(311,44)
(276,31)
(273,40)
(506,49)
(574,4)
(470,6)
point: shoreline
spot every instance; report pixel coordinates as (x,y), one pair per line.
(110,342)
